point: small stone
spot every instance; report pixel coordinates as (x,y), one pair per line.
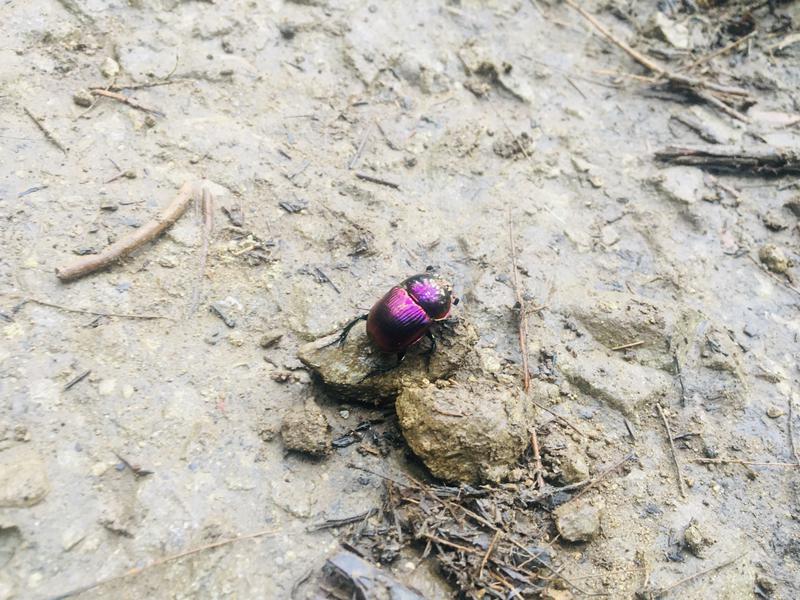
(83,97)
(577,521)
(344,413)
(23,478)
(305,429)
(150,121)
(109,68)
(774,258)
(168,262)
(765,583)
(510,146)
(71,537)
(662,27)
(774,221)
(270,339)
(573,466)
(773,412)
(696,539)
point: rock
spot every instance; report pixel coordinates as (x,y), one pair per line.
(118,517)
(773,412)
(23,478)
(577,521)
(109,68)
(774,259)
(345,369)
(270,338)
(509,146)
(623,385)
(305,429)
(682,185)
(573,466)
(775,221)
(696,539)
(83,98)
(465,432)
(663,28)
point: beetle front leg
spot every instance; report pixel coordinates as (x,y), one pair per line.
(384,369)
(429,352)
(346,331)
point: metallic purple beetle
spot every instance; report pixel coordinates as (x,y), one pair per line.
(405,315)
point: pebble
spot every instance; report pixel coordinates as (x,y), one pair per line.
(23,478)
(270,339)
(773,412)
(577,521)
(83,97)
(109,68)
(774,258)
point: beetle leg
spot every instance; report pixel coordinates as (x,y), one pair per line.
(429,352)
(384,369)
(346,331)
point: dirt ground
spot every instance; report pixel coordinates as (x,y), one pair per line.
(471,110)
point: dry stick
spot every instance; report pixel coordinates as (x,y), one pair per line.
(123,247)
(593,482)
(695,85)
(630,345)
(488,553)
(734,461)
(721,51)
(94,313)
(164,560)
(559,417)
(791,432)
(523,315)
(363,144)
(537,459)
(47,133)
(126,100)
(660,592)
(378,180)
(672,448)
(761,159)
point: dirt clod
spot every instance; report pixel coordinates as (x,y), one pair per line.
(774,258)
(467,432)
(578,521)
(305,429)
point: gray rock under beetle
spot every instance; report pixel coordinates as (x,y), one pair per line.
(345,369)
(465,432)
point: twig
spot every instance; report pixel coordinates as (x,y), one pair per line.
(679,373)
(791,431)
(360,150)
(488,553)
(128,244)
(523,315)
(138,86)
(629,345)
(378,180)
(734,461)
(696,86)
(672,448)
(47,133)
(759,160)
(721,51)
(595,480)
(341,522)
(161,561)
(559,417)
(537,458)
(126,100)
(77,379)
(660,592)
(95,313)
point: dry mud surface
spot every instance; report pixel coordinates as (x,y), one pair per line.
(138,422)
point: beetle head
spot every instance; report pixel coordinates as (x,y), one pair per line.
(432,293)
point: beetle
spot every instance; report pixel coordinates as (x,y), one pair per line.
(405,314)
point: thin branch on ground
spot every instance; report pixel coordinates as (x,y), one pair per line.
(131,242)
(672,449)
